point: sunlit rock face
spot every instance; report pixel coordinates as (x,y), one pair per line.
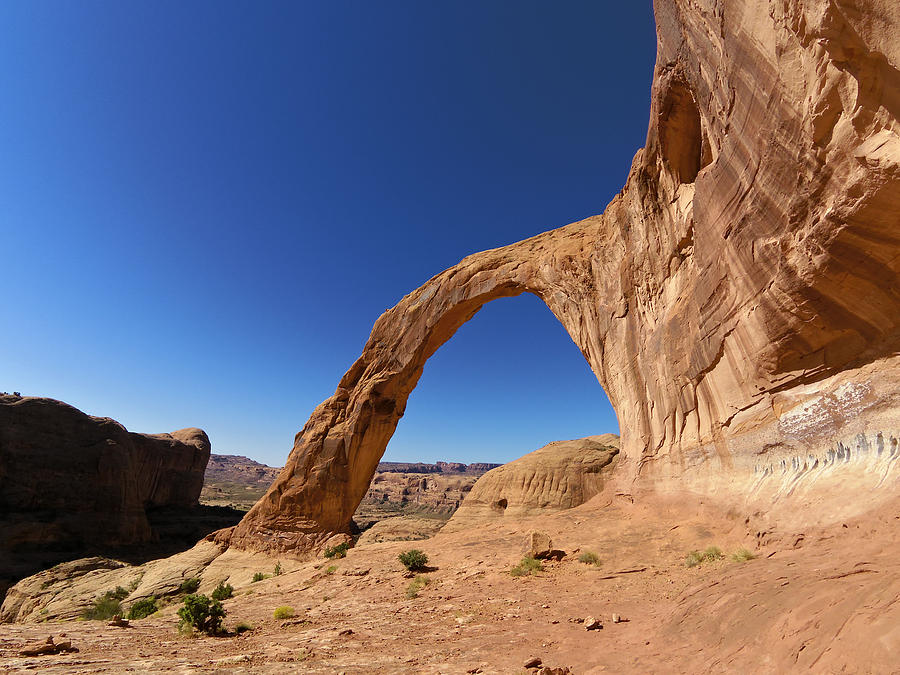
(738,300)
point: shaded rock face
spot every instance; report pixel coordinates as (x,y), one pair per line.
(70,482)
(559,476)
(747,270)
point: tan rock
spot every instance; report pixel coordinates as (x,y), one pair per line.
(538,545)
(736,300)
(559,476)
(401,528)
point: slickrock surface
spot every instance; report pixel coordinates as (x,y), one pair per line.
(70,482)
(559,476)
(737,300)
(821,599)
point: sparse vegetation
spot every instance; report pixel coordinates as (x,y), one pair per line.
(527,567)
(143,608)
(259,576)
(742,555)
(283,612)
(189,585)
(223,591)
(416,585)
(331,569)
(243,627)
(278,569)
(201,614)
(339,551)
(414,560)
(106,606)
(589,558)
(711,554)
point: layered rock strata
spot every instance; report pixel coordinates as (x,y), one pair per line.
(558,476)
(738,300)
(71,483)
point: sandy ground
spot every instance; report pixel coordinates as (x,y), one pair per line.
(825,601)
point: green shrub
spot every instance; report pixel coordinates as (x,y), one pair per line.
(223,591)
(106,606)
(742,555)
(278,569)
(416,585)
(338,551)
(414,560)
(711,554)
(331,569)
(143,608)
(589,558)
(189,585)
(259,576)
(243,627)
(201,614)
(527,567)
(283,612)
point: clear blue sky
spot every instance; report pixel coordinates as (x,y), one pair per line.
(204,206)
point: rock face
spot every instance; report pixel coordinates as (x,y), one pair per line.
(70,483)
(738,300)
(559,476)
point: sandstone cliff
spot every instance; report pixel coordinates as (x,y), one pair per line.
(738,300)
(71,483)
(558,476)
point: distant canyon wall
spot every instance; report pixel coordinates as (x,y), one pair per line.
(738,300)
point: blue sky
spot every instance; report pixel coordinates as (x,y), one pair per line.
(205,206)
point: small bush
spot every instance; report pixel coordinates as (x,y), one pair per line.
(283,612)
(243,627)
(527,567)
(414,560)
(338,551)
(278,569)
(742,555)
(143,608)
(106,606)
(331,569)
(589,558)
(695,558)
(201,614)
(189,585)
(416,585)
(259,576)
(223,591)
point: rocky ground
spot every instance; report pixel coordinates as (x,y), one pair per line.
(825,599)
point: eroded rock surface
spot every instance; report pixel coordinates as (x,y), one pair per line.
(559,476)
(747,271)
(71,483)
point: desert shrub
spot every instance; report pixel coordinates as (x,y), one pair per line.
(243,627)
(338,551)
(331,569)
(223,591)
(283,612)
(278,569)
(201,614)
(413,560)
(695,558)
(416,585)
(526,567)
(106,606)
(589,558)
(259,576)
(189,585)
(742,555)
(143,608)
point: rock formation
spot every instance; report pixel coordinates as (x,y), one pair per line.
(559,476)
(738,300)
(70,483)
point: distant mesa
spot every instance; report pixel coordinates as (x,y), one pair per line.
(71,483)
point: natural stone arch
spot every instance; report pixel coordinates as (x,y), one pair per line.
(737,300)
